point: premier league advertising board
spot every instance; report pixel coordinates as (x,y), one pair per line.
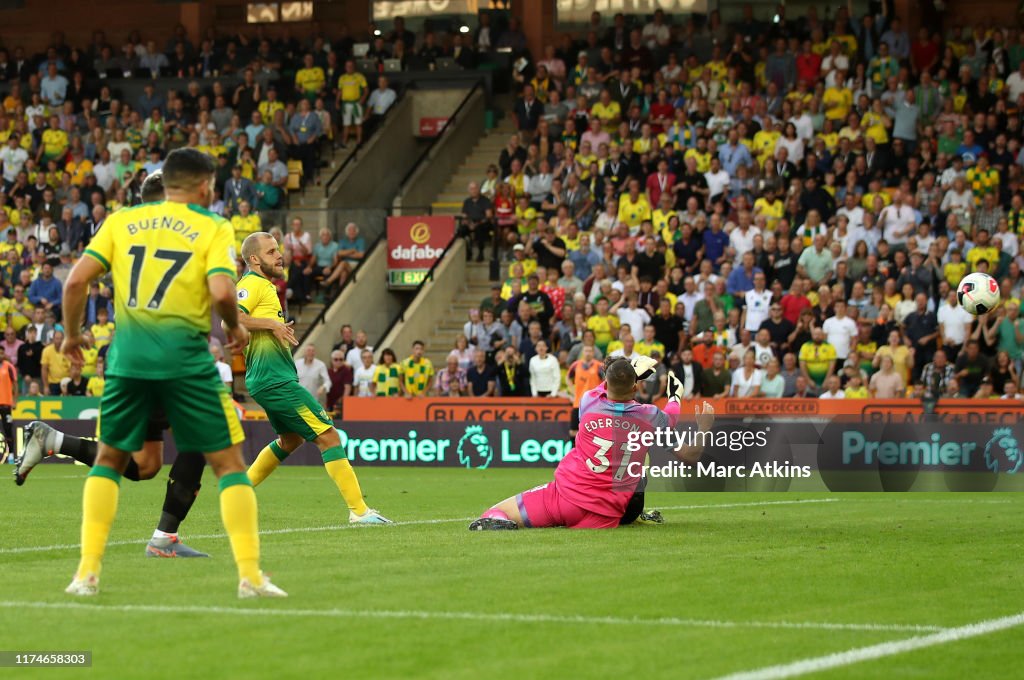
(913,453)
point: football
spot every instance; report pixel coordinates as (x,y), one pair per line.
(978,293)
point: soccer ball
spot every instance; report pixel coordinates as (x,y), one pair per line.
(978,293)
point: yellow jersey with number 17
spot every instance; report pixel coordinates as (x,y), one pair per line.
(161,255)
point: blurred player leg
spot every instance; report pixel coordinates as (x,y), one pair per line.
(183,484)
(8,425)
(42,441)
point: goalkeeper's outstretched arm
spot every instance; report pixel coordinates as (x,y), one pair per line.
(705,416)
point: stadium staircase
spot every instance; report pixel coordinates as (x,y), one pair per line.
(312,205)
(477,287)
(449,202)
(486,152)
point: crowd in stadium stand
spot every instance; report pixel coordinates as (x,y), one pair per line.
(74,147)
(773,209)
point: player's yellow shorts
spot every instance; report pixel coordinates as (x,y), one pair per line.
(291,408)
(198,408)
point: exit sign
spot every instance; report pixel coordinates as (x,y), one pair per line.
(406,278)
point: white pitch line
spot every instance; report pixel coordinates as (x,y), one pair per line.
(302,530)
(504,617)
(751,505)
(263,532)
(879,651)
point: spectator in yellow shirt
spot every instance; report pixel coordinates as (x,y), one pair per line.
(982,250)
(94,388)
(528,264)
(78,167)
(270,106)
(310,79)
(352,93)
(633,206)
(837,99)
(649,344)
(955,269)
(54,142)
(607,111)
(245,223)
(605,326)
(56,366)
(90,355)
(103,330)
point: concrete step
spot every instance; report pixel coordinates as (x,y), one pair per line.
(452,196)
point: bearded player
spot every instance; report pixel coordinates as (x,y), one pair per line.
(172,262)
(183,481)
(595,483)
(270,377)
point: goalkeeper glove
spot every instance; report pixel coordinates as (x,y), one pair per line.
(674,388)
(643,367)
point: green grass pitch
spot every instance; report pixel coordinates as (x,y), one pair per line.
(731,583)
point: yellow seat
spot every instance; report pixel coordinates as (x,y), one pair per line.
(294,176)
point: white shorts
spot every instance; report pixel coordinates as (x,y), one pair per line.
(351,114)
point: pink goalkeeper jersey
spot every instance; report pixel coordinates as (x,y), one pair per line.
(596,475)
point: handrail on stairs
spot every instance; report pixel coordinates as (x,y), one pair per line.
(350,279)
(353,157)
(433,142)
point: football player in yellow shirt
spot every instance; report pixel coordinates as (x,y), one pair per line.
(171,262)
(270,376)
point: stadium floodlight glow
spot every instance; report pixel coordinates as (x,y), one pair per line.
(376,32)
(463,28)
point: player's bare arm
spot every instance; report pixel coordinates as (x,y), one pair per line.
(223,299)
(76,289)
(282,331)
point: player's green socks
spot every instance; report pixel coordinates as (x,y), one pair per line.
(270,457)
(344,476)
(238,511)
(99,506)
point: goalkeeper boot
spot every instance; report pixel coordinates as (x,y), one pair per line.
(87,586)
(493,524)
(34,450)
(652,517)
(371,516)
(247,590)
(170,546)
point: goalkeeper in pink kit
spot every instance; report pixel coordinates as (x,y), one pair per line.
(595,483)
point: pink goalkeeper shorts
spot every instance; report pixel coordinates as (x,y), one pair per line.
(542,506)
